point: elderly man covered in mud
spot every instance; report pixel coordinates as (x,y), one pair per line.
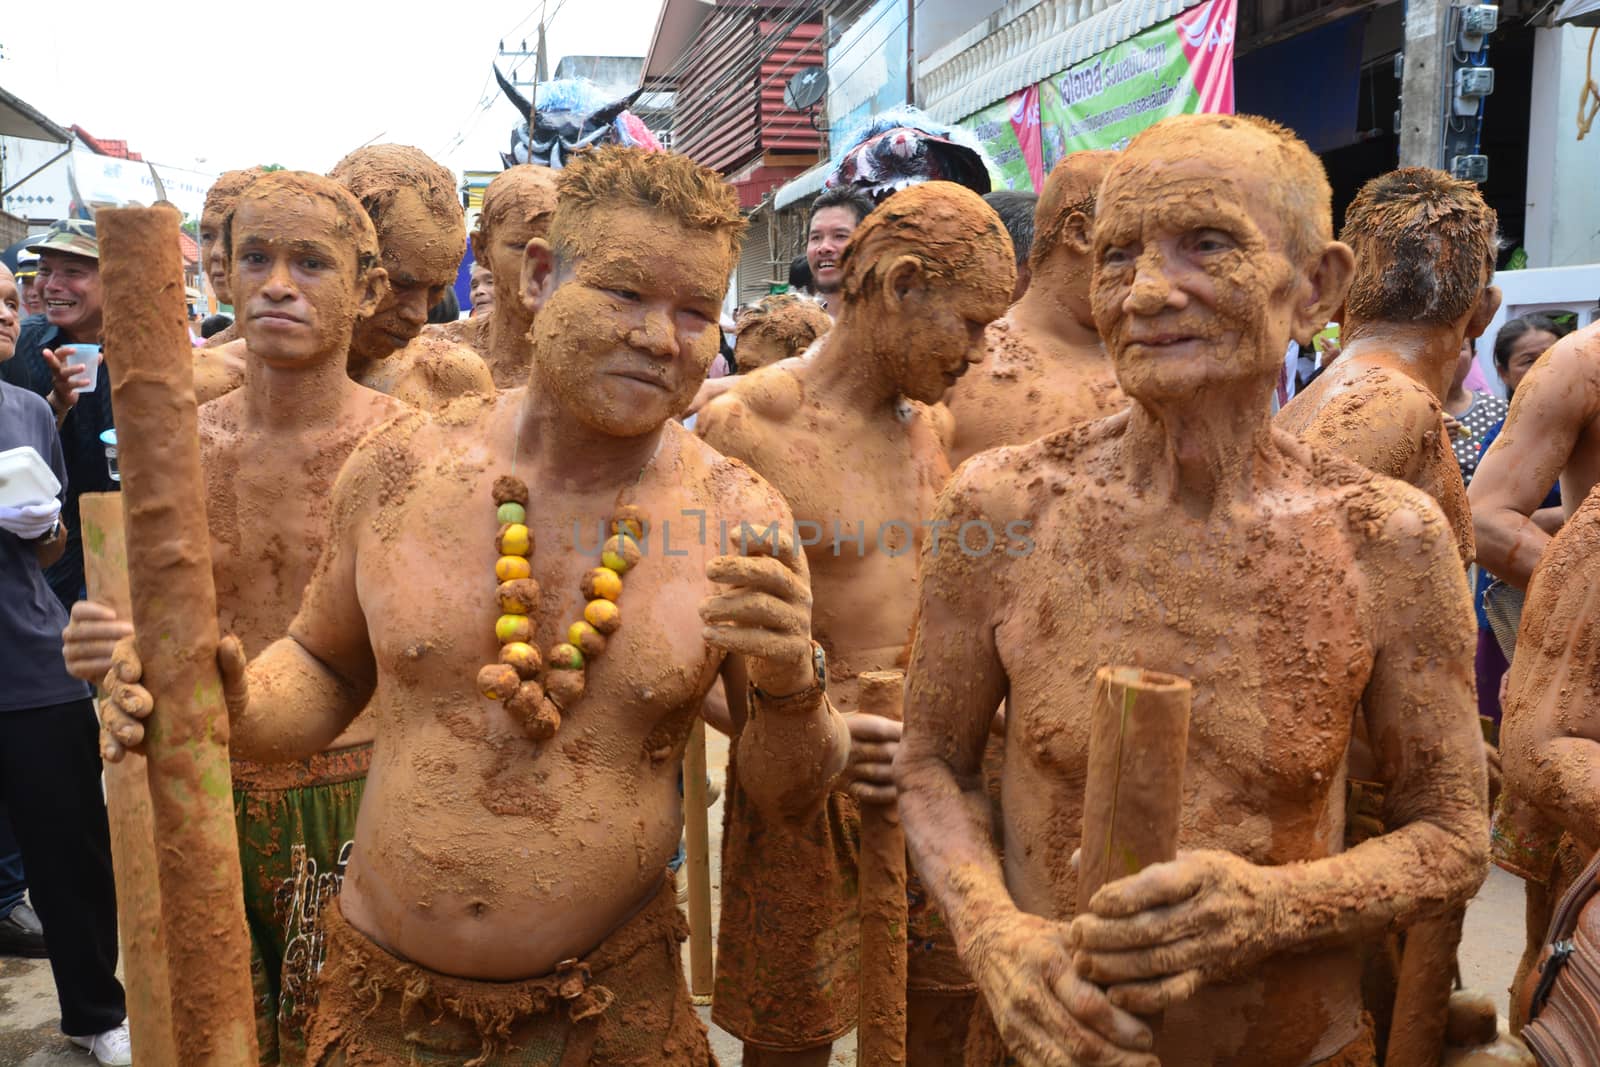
(1295,591)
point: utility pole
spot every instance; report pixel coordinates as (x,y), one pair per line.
(1422,83)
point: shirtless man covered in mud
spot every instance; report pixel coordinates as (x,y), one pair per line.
(220,198)
(776,328)
(849,441)
(1045,368)
(1552,432)
(302,258)
(1424,245)
(1187,535)
(516,208)
(411,200)
(507,901)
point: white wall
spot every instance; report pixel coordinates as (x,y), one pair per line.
(1551,289)
(1563,225)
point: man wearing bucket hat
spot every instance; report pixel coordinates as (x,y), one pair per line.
(58,357)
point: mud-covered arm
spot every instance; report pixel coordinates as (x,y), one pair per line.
(1428,745)
(1547,415)
(954,683)
(1550,736)
(306,688)
(792,743)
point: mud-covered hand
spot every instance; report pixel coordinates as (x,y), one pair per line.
(1048,1015)
(90,638)
(874,742)
(125,704)
(1155,937)
(763,611)
(30,521)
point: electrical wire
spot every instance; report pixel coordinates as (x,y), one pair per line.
(721,92)
(729,84)
(857,67)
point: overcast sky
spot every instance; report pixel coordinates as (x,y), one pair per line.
(295,82)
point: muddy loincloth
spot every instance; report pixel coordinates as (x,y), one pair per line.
(789,936)
(1524,841)
(624,1005)
(985,1049)
(296,824)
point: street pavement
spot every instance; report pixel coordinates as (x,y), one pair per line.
(28,1013)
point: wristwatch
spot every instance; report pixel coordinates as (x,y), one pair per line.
(819,668)
(51,535)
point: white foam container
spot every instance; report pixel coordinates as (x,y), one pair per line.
(25,478)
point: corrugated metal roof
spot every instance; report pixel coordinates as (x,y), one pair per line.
(1050,38)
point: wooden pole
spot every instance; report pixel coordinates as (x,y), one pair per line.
(150,358)
(133,846)
(697,837)
(1422,991)
(1138,744)
(881,1022)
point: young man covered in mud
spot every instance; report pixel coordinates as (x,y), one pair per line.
(1187,535)
(422,234)
(1552,432)
(220,198)
(302,258)
(506,901)
(516,208)
(848,439)
(1045,368)
(1424,245)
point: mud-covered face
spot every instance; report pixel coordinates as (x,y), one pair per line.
(501,252)
(1192,285)
(421,255)
(295,279)
(629,329)
(213,260)
(941,327)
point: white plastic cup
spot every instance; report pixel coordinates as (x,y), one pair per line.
(89,355)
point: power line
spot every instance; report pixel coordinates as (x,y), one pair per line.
(727,86)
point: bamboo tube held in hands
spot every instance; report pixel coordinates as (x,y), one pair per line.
(150,358)
(1138,742)
(133,846)
(697,856)
(881,1025)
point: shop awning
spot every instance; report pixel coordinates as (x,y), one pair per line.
(807,184)
(1034,47)
(19,119)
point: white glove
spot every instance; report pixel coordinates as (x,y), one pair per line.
(30,521)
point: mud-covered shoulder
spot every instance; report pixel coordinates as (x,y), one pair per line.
(773,393)
(726,486)
(383,467)
(1390,519)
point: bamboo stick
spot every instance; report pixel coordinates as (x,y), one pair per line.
(150,357)
(881,1022)
(1138,743)
(133,846)
(697,837)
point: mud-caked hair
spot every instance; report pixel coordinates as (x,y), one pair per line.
(1425,246)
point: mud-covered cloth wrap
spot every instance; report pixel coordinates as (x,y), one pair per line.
(1524,841)
(624,1005)
(984,1048)
(789,942)
(296,824)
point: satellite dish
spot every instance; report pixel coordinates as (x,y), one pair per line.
(805,89)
